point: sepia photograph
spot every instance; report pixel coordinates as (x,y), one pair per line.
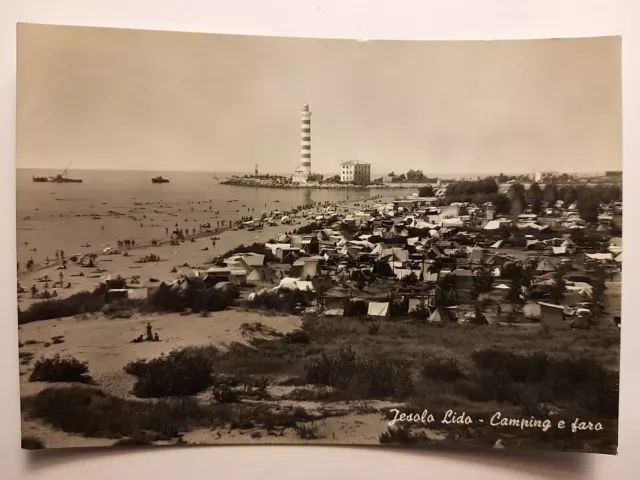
(233,239)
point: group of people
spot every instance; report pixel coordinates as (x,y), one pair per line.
(150,336)
(46,294)
(126,243)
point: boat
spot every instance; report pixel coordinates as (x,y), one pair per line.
(40,179)
(63,177)
(60,178)
(159,180)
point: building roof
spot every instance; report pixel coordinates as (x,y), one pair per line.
(351,162)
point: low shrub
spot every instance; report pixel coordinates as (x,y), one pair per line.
(517,367)
(182,372)
(378,378)
(225,394)
(193,298)
(373,328)
(531,379)
(307,431)
(297,336)
(442,369)
(76,304)
(283,301)
(60,369)
(91,412)
(401,435)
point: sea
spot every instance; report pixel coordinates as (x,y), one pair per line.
(75,217)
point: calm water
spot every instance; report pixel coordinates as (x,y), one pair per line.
(59,216)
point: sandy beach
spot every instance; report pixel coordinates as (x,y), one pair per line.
(104,343)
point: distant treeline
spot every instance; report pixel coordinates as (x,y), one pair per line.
(588,198)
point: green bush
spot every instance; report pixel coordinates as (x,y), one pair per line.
(90,412)
(196,299)
(225,394)
(442,369)
(181,372)
(378,378)
(401,435)
(60,369)
(76,304)
(297,336)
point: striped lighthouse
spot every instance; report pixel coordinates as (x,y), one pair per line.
(305,140)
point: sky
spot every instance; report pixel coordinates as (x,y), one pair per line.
(145,100)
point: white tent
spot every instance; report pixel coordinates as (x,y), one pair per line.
(559,250)
(439,315)
(545,266)
(600,256)
(492,225)
(378,309)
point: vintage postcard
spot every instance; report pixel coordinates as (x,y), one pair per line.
(228,239)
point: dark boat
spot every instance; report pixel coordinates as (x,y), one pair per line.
(159,180)
(60,178)
(63,178)
(40,179)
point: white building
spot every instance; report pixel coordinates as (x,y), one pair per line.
(355,172)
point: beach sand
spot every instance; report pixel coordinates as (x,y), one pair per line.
(105,343)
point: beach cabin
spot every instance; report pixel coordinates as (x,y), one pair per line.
(224,274)
(287,254)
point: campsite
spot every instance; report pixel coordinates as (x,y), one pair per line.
(324,323)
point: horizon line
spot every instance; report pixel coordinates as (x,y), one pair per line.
(248,172)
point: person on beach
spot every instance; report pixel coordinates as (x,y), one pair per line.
(46,261)
(149,332)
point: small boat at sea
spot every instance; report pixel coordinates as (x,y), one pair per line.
(60,178)
(159,180)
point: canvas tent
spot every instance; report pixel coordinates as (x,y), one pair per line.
(262,274)
(492,225)
(378,309)
(545,266)
(600,256)
(441,315)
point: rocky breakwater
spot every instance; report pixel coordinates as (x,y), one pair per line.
(285,183)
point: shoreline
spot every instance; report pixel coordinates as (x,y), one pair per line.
(196,253)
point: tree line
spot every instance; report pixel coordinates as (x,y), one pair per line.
(587,198)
